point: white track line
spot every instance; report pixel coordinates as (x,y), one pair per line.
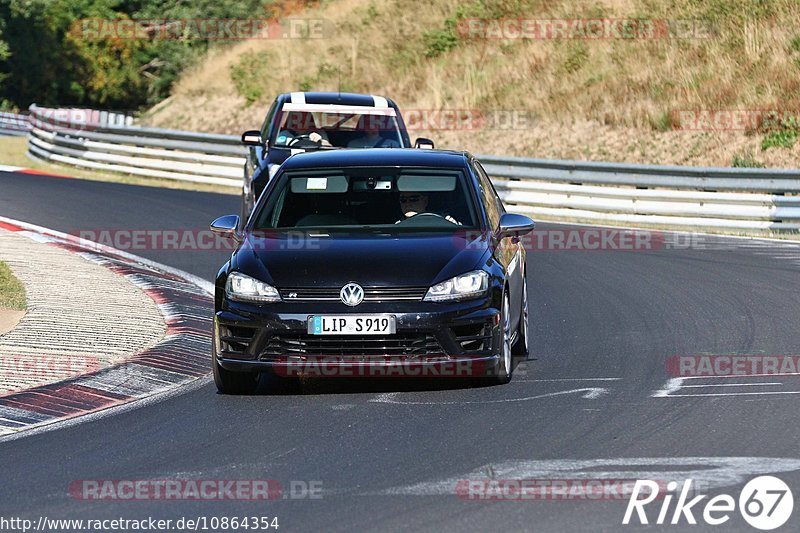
(559,380)
(705,386)
(763,393)
(589,393)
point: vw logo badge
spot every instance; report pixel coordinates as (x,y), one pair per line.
(351,294)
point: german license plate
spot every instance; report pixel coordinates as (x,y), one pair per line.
(351,325)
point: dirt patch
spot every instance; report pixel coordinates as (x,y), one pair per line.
(9,318)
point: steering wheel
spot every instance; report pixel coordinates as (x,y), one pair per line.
(427,214)
(304,141)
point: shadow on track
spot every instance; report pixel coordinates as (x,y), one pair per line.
(275,386)
(272,385)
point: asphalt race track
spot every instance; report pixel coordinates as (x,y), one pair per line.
(604,324)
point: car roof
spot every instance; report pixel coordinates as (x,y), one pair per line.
(353,99)
(366,157)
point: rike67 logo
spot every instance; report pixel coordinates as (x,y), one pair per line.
(765,503)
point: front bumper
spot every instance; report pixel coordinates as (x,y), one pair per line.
(434,339)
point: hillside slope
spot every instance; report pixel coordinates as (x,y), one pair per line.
(612,98)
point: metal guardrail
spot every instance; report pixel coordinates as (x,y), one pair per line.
(110,142)
(734,199)
(731,199)
(14,124)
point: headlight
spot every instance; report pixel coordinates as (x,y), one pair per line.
(246,289)
(461,287)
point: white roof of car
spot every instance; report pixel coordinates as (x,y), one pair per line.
(337,108)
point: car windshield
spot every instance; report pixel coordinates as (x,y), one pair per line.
(369,198)
(337,129)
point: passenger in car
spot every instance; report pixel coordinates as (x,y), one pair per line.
(371,138)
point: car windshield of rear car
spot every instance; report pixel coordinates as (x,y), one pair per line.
(336,130)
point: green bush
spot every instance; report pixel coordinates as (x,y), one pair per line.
(794,44)
(779,139)
(576,58)
(746,161)
(46,56)
(438,42)
(781,133)
(665,121)
(246,75)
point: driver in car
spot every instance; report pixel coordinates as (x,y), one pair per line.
(301,125)
(416,203)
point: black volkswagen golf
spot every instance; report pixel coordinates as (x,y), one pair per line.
(372,262)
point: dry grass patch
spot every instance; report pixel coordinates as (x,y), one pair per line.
(604,99)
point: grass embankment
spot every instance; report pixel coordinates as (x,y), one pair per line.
(607,99)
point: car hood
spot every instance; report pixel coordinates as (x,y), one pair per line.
(277,155)
(308,259)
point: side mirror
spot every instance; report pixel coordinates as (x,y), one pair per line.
(226,226)
(513,225)
(252,138)
(423,143)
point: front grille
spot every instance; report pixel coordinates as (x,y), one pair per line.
(371,294)
(407,344)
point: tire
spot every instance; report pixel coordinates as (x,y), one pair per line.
(229,382)
(505,366)
(522,347)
